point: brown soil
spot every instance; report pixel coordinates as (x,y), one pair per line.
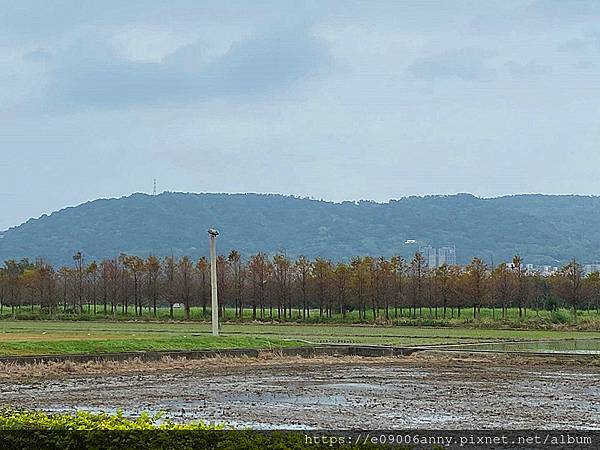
(426,390)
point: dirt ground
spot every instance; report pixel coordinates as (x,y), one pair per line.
(426,390)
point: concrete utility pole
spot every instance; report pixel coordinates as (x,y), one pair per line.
(213,281)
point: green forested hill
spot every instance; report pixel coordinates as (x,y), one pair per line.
(542,229)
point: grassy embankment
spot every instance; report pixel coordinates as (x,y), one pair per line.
(69,337)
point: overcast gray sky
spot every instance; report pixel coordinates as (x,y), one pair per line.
(334,100)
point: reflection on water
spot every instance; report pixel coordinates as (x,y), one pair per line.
(291,398)
(579,346)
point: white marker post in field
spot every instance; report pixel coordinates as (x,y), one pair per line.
(213,281)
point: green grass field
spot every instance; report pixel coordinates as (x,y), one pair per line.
(20,337)
(531,319)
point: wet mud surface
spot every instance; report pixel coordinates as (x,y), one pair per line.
(425,391)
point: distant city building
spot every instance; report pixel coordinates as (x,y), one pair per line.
(437,257)
(430,255)
(446,255)
(543,270)
(547,271)
(591,268)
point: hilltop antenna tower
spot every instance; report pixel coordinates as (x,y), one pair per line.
(154,189)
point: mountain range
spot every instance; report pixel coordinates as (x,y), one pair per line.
(543,229)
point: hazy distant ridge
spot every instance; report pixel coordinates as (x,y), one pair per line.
(542,228)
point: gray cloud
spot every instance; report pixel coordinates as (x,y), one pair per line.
(523,17)
(563,9)
(467,64)
(528,69)
(90,74)
(584,65)
(38,54)
(590,41)
(573,45)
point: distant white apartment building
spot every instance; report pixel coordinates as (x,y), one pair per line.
(591,268)
(543,270)
(430,255)
(446,255)
(547,271)
(437,257)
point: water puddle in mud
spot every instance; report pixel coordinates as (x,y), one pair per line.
(574,346)
(283,398)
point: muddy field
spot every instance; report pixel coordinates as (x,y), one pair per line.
(427,390)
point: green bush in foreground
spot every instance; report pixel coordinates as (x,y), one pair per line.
(40,430)
(83,420)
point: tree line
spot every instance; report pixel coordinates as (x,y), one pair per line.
(277,287)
